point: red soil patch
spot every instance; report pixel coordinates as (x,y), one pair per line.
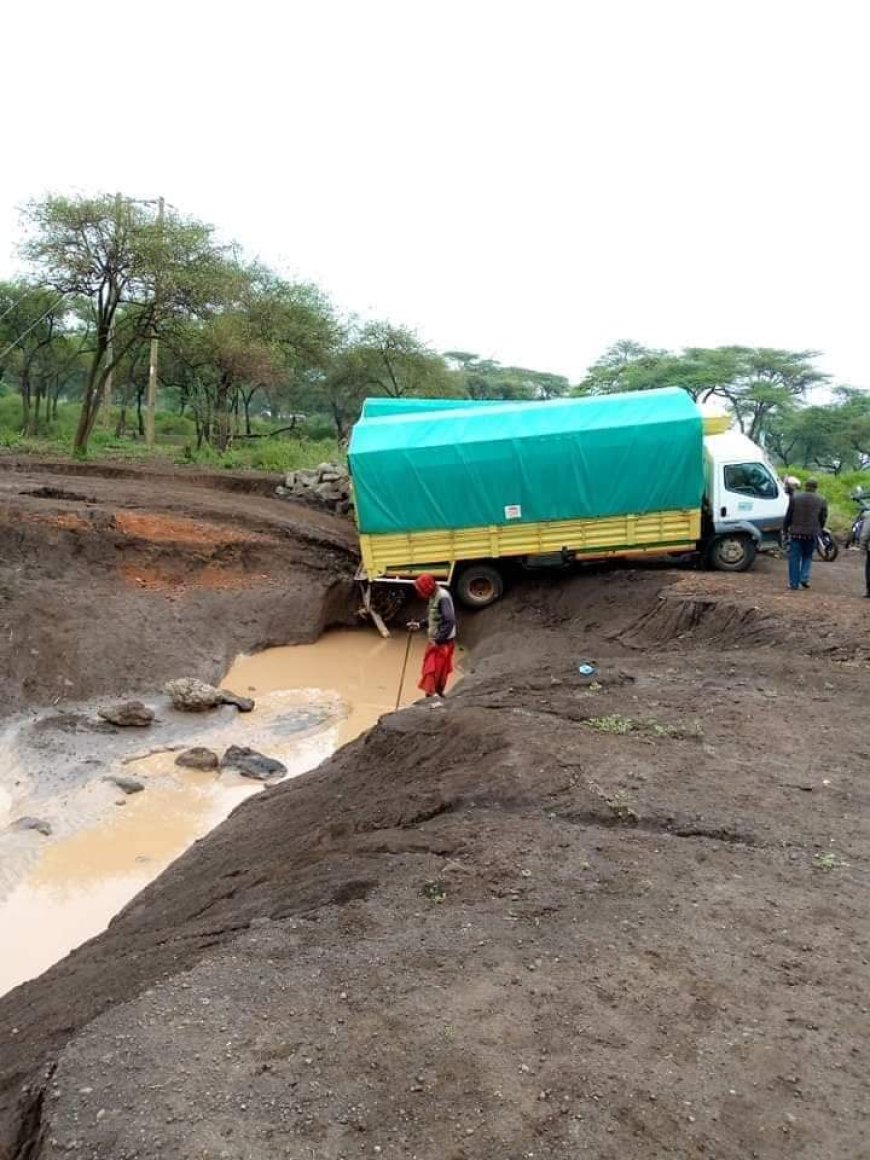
(161,529)
(211,578)
(69,521)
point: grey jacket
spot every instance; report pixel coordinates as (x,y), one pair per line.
(864,538)
(806,516)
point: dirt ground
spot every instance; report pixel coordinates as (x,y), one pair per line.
(553,917)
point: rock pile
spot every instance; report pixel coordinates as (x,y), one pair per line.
(325,486)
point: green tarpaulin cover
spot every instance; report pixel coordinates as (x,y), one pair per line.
(421,465)
(378,408)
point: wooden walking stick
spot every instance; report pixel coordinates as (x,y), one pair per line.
(404,669)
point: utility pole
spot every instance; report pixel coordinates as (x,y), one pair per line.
(151,406)
(110,348)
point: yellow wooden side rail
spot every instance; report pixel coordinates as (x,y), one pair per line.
(407,554)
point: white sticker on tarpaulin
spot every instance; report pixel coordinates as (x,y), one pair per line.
(513,511)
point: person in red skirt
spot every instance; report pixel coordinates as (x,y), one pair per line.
(441,630)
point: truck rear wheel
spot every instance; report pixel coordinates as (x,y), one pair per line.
(479,585)
(732,553)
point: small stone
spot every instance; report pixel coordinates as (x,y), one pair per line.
(198,758)
(243,704)
(250,763)
(39,824)
(128,713)
(127,785)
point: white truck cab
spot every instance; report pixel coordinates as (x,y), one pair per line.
(746,502)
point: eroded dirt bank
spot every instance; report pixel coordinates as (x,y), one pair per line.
(551,917)
(120,578)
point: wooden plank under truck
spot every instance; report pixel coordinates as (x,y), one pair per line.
(468,490)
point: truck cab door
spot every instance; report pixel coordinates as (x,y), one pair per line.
(749,492)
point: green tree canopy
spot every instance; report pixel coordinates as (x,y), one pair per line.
(487,379)
(112,253)
(758,383)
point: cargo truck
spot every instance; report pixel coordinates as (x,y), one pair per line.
(467,490)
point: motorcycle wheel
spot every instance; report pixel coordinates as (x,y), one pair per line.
(827,548)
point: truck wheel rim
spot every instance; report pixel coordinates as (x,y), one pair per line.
(731,551)
(481,588)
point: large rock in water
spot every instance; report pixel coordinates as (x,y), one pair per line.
(250,763)
(128,713)
(194,696)
(198,758)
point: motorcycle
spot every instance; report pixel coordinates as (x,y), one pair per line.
(827,548)
(863,502)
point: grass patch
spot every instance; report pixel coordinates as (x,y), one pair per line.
(837,490)
(619,725)
(175,442)
(434,891)
(612,724)
(828,861)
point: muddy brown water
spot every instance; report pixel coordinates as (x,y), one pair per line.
(56,892)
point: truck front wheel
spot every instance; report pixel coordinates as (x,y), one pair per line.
(732,553)
(479,585)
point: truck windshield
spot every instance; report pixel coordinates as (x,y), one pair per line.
(751,479)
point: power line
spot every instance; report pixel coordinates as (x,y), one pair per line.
(18,301)
(33,326)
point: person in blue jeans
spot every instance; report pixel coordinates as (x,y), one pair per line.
(806,516)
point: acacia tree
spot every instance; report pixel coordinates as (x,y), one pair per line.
(834,437)
(487,379)
(380,359)
(396,363)
(261,337)
(758,383)
(767,381)
(112,254)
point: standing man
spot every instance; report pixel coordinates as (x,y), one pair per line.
(441,629)
(864,542)
(806,516)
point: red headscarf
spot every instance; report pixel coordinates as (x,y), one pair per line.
(425,585)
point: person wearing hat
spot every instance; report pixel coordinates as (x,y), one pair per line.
(441,630)
(864,545)
(806,516)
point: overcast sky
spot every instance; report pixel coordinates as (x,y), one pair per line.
(530,181)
